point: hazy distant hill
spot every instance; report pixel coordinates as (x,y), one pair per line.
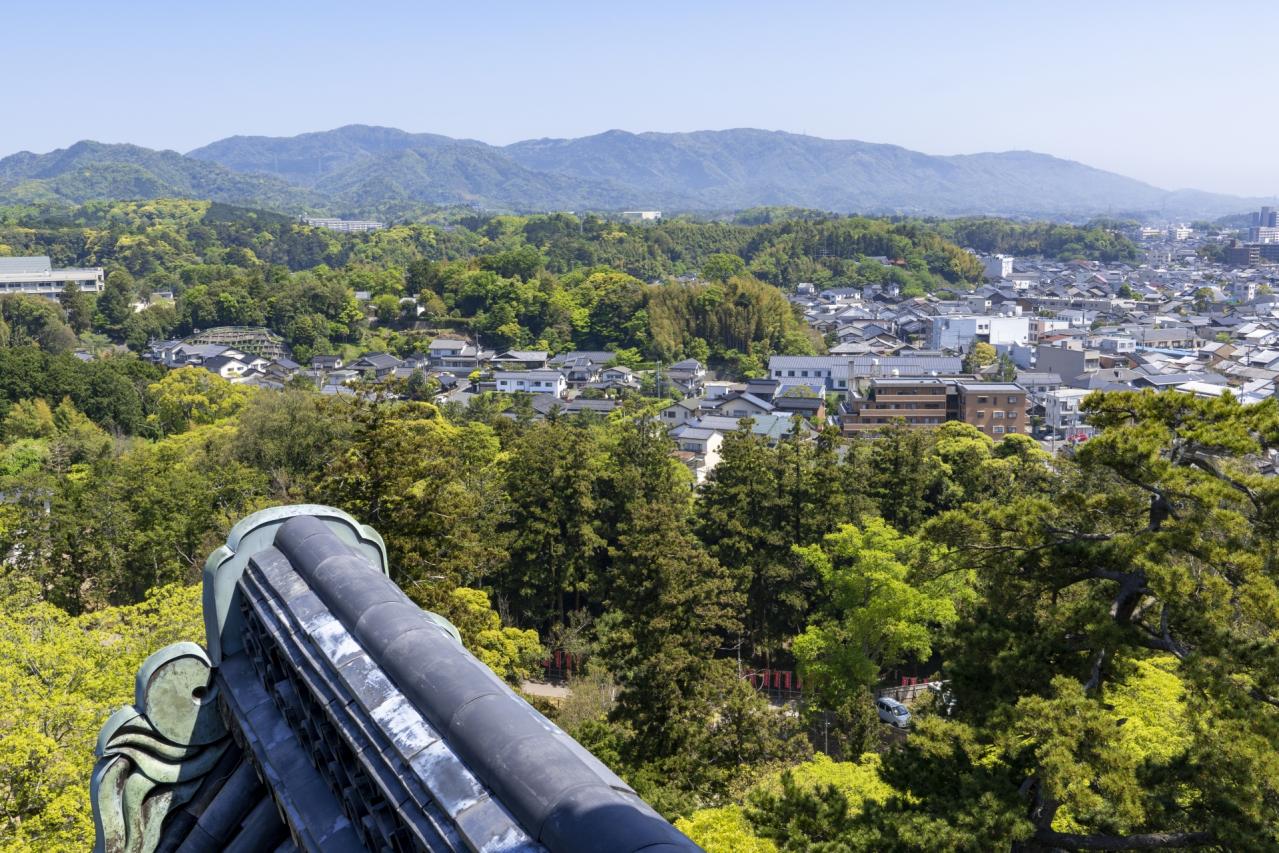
(361,170)
(741,168)
(465,174)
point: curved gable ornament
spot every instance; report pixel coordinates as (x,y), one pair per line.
(153,756)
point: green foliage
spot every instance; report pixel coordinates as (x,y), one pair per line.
(431,487)
(981,355)
(1063,242)
(758,503)
(63,676)
(190,396)
(33,320)
(885,595)
(723,830)
(510,652)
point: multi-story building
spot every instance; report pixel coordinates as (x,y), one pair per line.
(1243,290)
(36,276)
(1242,254)
(1061,410)
(1068,362)
(961,331)
(995,408)
(918,402)
(1040,326)
(998,266)
(837,374)
(344,225)
(642,215)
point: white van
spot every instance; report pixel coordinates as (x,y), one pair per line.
(893,712)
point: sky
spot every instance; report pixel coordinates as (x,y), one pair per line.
(1176,94)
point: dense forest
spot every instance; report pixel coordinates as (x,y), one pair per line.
(1107,621)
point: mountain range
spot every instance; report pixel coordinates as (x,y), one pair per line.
(359,170)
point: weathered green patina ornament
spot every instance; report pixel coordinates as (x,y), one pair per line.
(153,756)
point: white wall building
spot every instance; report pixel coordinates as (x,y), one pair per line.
(960,332)
(1061,410)
(531,382)
(35,275)
(998,266)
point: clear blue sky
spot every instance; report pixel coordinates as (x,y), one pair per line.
(1176,93)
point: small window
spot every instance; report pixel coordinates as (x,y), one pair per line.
(997,414)
(1012,401)
(981,399)
(998,430)
(981,414)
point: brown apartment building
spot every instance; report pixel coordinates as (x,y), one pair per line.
(995,408)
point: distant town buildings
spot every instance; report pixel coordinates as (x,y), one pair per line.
(1265,226)
(347,225)
(35,275)
(641,215)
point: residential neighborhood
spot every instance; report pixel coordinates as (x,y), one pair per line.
(1014,356)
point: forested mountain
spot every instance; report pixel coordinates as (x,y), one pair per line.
(361,170)
(91,170)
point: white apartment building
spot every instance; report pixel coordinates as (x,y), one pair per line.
(1061,410)
(960,332)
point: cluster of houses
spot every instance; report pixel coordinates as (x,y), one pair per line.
(570,381)
(1060,330)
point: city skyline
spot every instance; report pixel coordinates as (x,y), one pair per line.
(1154,92)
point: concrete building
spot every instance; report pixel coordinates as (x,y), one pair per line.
(995,408)
(1041,326)
(918,402)
(1118,345)
(998,266)
(1061,410)
(36,276)
(1069,362)
(1265,226)
(642,215)
(344,225)
(531,381)
(961,331)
